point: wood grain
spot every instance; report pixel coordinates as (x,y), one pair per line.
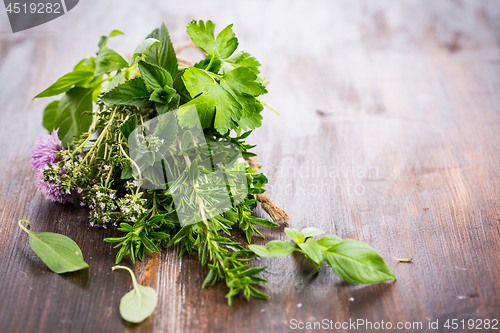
(389,134)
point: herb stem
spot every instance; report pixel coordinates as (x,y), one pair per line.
(23,227)
(134,281)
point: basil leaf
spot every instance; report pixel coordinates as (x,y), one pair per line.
(139,303)
(107,61)
(329,240)
(313,250)
(309,232)
(65,82)
(60,253)
(132,92)
(49,116)
(296,235)
(144,47)
(104,39)
(357,262)
(71,118)
(273,249)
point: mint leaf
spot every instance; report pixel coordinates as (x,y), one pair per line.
(357,262)
(162,95)
(273,249)
(60,253)
(132,92)
(163,55)
(108,61)
(154,76)
(71,117)
(49,116)
(65,82)
(144,47)
(295,235)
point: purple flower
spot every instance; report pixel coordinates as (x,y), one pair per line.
(45,150)
(46,147)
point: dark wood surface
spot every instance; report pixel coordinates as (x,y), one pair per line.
(389,134)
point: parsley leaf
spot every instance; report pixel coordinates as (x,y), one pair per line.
(232,97)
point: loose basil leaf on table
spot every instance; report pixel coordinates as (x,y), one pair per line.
(357,262)
(60,253)
(139,303)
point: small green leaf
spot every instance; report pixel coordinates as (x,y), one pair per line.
(296,235)
(154,76)
(60,253)
(65,82)
(313,250)
(145,45)
(404,260)
(273,249)
(329,240)
(357,262)
(132,92)
(309,232)
(49,116)
(127,172)
(108,61)
(104,39)
(139,303)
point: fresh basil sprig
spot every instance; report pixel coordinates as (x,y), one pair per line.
(60,253)
(353,261)
(139,303)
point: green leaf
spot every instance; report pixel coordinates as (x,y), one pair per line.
(163,55)
(295,235)
(65,82)
(108,61)
(162,95)
(104,39)
(132,92)
(404,260)
(309,232)
(60,253)
(273,249)
(313,250)
(144,47)
(203,36)
(329,240)
(214,98)
(154,76)
(357,262)
(85,65)
(139,303)
(49,116)
(71,118)
(262,222)
(127,172)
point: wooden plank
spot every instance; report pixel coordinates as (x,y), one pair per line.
(388,134)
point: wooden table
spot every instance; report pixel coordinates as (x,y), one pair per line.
(389,134)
